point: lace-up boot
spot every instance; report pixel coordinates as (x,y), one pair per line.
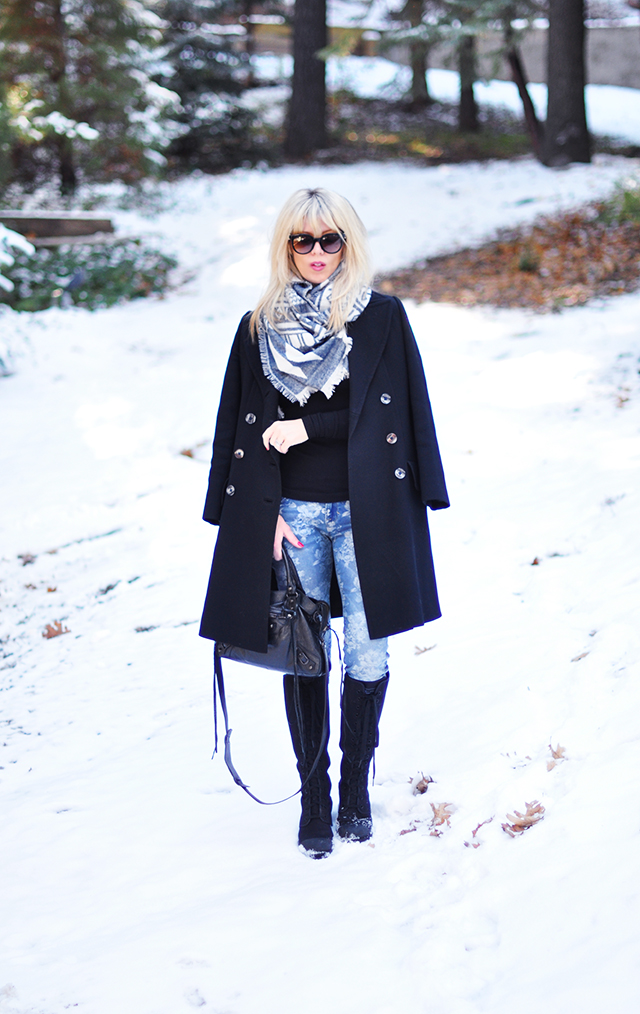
(361,709)
(307,706)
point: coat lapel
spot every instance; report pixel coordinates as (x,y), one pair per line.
(267,389)
(369,332)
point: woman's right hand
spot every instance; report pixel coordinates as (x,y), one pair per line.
(284,532)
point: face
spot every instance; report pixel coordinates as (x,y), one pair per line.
(317,266)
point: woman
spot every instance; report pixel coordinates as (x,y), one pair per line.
(325,440)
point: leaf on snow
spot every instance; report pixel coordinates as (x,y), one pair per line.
(477,844)
(421,651)
(521,822)
(558,756)
(441,814)
(578,657)
(54,630)
(420,783)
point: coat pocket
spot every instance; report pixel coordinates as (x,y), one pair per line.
(415,475)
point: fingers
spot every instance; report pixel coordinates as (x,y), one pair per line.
(290,537)
(283,434)
(283,531)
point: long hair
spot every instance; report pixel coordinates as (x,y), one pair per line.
(304,211)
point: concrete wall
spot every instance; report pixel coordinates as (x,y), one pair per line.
(613,56)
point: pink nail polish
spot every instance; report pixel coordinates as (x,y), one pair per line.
(300,546)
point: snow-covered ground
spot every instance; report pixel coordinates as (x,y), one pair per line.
(135,876)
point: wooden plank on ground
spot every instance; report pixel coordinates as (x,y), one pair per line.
(49,224)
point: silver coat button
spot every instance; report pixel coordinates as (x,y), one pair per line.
(399,473)
(239,453)
(392,438)
(250,418)
(385,398)
(231,489)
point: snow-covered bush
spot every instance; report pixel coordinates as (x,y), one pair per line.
(10,240)
(91,275)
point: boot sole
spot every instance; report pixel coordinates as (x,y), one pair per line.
(317,848)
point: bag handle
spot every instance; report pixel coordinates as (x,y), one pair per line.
(218,690)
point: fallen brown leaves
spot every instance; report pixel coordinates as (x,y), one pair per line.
(556,262)
(54,629)
(558,756)
(441,814)
(521,822)
(190,452)
(477,844)
(420,651)
(420,783)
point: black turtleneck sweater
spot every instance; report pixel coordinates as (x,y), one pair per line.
(317,469)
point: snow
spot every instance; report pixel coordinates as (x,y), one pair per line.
(135,876)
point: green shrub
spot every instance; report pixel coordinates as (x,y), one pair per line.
(88,275)
(623,206)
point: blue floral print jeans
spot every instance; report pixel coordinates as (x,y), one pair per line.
(325,532)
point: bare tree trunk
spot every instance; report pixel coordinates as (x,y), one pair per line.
(419,54)
(419,88)
(566,133)
(249,40)
(66,166)
(468,109)
(307,112)
(533,123)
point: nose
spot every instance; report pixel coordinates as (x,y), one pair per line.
(317,243)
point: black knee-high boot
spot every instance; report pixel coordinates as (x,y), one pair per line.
(361,709)
(307,705)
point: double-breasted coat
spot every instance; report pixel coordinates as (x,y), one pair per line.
(395,472)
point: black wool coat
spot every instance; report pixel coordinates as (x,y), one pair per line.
(394,474)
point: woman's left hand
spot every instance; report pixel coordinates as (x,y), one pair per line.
(283,434)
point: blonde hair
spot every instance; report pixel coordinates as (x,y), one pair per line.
(305,211)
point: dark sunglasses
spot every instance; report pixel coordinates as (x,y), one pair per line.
(304,242)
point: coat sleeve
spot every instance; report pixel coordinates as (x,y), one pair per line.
(433,491)
(226,425)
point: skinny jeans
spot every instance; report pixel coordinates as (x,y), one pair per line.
(325,532)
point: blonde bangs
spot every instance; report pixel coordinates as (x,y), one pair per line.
(310,210)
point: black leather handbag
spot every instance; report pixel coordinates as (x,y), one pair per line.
(296,644)
(297,625)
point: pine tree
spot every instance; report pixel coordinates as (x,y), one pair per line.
(76,67)
(207,69)
(459,23)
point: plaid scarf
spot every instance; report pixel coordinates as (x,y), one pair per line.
(300,355)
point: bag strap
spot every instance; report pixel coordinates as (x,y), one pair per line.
(219,691)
